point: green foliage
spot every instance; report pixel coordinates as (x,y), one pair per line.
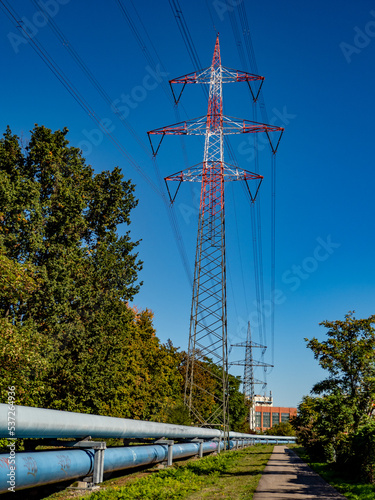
(69,339)
(25,362)
(145,380)
(337,425)
(304,424)
(176,482)
(58,215)
(359,454)
(339,478)
(204,376)
(239,408)
(172,483)
(179,414)
(208,375)
(17,282)
(24,352)
(321,422)
(281,429)
(348,356)
(166,485)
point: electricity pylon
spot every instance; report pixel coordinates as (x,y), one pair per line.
(249,380)
(208,350)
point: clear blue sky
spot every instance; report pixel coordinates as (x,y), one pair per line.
(318,61)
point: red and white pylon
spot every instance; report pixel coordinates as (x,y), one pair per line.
(208,319)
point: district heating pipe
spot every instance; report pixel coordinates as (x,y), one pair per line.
(41,423)
(32,422)
(44,467)
(37,468)
(259,438)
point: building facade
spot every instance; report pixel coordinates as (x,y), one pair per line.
(263,415)
(267,416)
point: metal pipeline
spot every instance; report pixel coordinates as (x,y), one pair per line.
(261,438)
(32,422)
(44,467)
(41,423)
(37,468)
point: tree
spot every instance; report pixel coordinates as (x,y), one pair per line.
(24,352)
(321,423)
(281,429)
(59,228)
(349,357)
(207,393)
(239,408)
(332,425)
(204,377)
(17,282)
(56,213)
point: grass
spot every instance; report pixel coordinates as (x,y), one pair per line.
(351,489)
(233,475)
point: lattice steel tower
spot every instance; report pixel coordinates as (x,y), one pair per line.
(249,381)
(208,319)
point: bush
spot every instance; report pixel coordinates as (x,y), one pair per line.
(281,429)
(363,452)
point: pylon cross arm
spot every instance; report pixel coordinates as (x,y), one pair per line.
(249,344)
(200,76)
(229,126)
(236,75)
(228,75)
(230,173)
(255,363)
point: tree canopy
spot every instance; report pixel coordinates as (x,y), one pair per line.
(348,356)
(67,273)
(334,422)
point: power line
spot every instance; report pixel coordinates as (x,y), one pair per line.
(255,211)
(64,80)
(244,50)
(209,8)
(68,85)
(151,60)
(186,35)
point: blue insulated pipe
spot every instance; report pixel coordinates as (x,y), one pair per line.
(44,467)
(41,423)
(32,422)
(259,438)
(27,469)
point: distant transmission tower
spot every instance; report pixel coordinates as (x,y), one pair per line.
(248,380)
(208,320)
